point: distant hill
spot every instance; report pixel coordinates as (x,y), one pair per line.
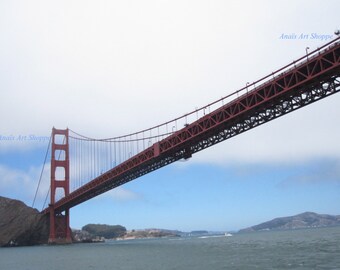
(150,233)
(304,220)
(106,231)
(199,232)
(96,232)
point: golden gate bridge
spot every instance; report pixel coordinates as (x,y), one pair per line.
(84,167)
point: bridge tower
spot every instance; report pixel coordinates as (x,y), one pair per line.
(60,232)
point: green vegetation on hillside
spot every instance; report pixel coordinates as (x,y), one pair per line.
(106,231)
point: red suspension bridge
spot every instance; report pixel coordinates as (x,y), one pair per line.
(83,167)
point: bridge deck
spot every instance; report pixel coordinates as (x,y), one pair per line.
(311,78)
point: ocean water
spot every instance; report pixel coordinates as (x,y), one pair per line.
(299,249)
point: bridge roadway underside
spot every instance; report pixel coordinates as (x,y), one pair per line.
(303,84)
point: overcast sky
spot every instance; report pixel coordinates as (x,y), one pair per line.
(107,68)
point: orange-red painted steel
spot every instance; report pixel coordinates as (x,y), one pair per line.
(296,86)
(59,222)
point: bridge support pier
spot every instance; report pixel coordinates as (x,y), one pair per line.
(60,232)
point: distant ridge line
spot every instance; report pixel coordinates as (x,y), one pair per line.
(303,220)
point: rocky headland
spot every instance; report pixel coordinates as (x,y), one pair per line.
(100,232)
(149,233)
(21,225)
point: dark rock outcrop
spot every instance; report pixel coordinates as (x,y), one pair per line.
(21,225)
(304,220)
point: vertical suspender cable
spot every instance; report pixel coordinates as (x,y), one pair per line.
(42,171)
(110,162)
(80,161)
(92,160)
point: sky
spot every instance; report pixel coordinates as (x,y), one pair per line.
(109,68)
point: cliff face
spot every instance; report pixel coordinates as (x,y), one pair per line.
(21,225)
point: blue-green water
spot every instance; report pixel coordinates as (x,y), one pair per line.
(300,249)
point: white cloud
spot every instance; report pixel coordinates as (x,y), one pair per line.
(13,178)
(23,183)
(22,142)
(121,194)
(323,171)
(111,68)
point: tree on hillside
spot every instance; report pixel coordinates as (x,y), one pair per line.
(106,231)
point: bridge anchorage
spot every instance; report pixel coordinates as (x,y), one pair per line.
(104,164)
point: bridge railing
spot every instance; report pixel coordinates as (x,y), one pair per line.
(107,153)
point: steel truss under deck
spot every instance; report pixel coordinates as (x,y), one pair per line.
(304,83)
